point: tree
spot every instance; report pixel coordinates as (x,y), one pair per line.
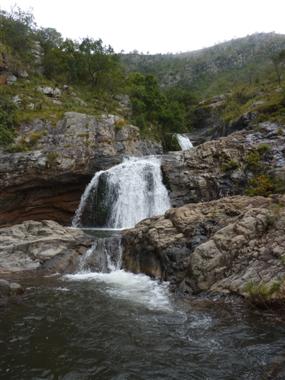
(278,61)
(16,32)
(98,64)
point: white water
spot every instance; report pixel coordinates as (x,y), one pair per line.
(184,142)
(135,191)
(134,288)
(84,198)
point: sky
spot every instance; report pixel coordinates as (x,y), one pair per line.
(157,26)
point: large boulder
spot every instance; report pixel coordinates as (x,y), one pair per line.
(45,245)
(46,181)
(235,244)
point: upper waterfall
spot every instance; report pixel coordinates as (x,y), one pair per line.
(123,195)
(184,142)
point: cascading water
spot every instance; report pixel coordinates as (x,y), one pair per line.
(122,196)
(115,199)
(102,264)
(184,142)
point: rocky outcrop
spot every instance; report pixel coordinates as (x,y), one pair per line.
(232,245)
(223,167)
(46,182)
(42,245)
(208,122)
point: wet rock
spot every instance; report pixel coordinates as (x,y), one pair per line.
(232,245)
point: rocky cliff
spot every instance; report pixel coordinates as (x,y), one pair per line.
(226,166)
(46,179)
(235,244)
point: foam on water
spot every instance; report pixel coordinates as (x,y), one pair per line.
(136,288)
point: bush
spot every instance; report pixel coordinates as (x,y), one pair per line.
(7,119)
(263,148)
(260,185)
(253,160)
(230,165)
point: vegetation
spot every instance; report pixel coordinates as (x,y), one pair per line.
(7,119)
(93,74)
(261,185)
(215,70)
(155,111)
(165,91)
(230,165)
(261,293)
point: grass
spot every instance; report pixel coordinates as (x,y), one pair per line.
(262,293)
(230,165)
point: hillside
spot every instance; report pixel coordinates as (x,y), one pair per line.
(212,70)
(210,91)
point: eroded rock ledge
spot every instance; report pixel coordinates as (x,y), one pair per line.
(232,245)
(47,181)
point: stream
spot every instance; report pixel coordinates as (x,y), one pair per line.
(125,326)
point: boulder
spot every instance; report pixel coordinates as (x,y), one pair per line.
(232,245)
(44,245)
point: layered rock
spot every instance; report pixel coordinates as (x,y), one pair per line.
(223,167)
(47,181)
(45,245)
(235,244)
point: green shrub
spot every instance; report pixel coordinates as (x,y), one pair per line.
(52,158)
(263,148)
(261,292)
(253,160)
(260,185)
(7,119)
(230,165)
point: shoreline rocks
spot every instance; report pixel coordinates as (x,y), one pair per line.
(231,245)
(40,246)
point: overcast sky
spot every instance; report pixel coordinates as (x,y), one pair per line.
(157,25)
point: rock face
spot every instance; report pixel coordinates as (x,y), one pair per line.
(223,167)
(40,245)
(208,123)
(235,244)
(47,181)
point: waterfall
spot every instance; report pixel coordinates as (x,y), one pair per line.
(102,264)
(184,142)
(105,255)
(123,195)
(114,199)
